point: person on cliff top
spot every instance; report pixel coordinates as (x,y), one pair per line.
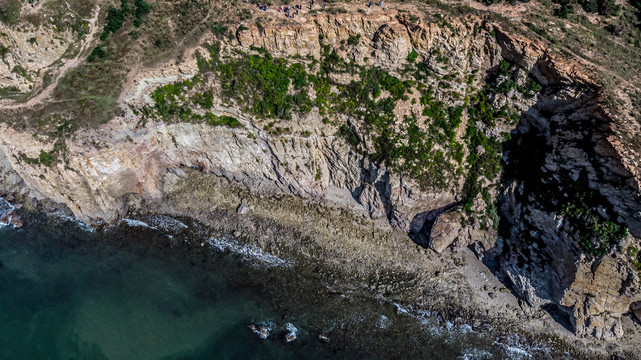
(369,4)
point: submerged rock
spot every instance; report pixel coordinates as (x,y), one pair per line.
(262,330)
(292,332)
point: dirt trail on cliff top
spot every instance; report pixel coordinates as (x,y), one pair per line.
(45,94)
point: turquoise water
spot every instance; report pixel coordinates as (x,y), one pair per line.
(133,293)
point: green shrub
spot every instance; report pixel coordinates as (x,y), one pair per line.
(224,120)
(8,90)
(4,50)
(596,234)
(273,88)
(46,158)
(634,256)
(20,71)
(531,88)
(115,20)
(504,67)
(562,12)
(350,136)
(142,9)
(488,162)
(353,40)
(205,100)
(603,7)
(412,56)
(97,53)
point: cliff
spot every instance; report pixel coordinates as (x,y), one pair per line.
(556,154)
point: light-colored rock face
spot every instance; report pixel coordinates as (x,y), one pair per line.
(610,287)
(300,39)
(311,161)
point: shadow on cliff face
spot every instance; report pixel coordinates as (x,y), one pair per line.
(557,154)
(421,225)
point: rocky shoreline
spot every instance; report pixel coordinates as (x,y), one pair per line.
(417,281)
(386,263)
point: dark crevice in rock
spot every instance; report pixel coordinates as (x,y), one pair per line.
(422,224)
(556,156)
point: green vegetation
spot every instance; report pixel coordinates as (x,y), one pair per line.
(412,56)
(350,135)
(98,53)
(46,158)
(172,102)
(484,159)
(603,7)
(88,93)
(227,121)
(142,9)
(353,40)
(21,71)
(277,88)
(272,88)
(563,11)
(634,256)
(57,128)
(7,90)
(10,11)
(596,234)
(4,50)
(503,83)
(115,19)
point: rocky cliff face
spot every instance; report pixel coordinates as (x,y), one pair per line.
(559,146)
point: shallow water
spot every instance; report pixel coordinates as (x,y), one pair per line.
(133,293)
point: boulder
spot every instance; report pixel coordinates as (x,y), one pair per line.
(242,209)
(444,231)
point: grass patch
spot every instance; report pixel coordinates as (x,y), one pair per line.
(10,11)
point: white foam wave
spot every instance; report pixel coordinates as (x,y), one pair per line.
(73,220)
(137,223)
(247,251)
(514,348)
(292,332)
(167,223)
(475,354)
(384,322)
(5,209)
(263,329)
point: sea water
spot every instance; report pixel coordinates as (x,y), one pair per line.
(136,293)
